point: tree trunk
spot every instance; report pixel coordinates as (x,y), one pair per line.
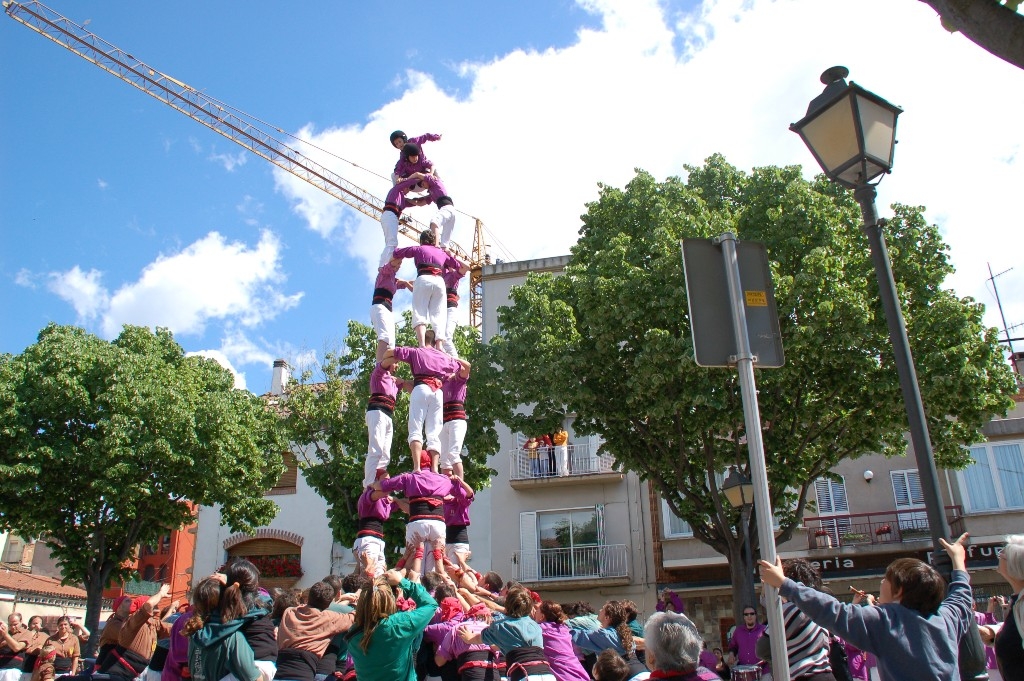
(742,577)
(988,24)
(93,606)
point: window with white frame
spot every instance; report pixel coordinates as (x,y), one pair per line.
(673,527)
(561,543)
(908,495)
(996,478)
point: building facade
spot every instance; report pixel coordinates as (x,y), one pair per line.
(580,535)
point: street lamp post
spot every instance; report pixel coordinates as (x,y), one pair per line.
(739,491)
(852,134)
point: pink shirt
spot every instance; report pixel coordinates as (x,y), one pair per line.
(427,255)
(425,483)
(382,382)
(368,508)
(454,389)
(427,361)
(386,278)
(452,646)
(456,511)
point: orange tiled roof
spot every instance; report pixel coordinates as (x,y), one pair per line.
(21,581)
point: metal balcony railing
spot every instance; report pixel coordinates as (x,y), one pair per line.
(877,527)
(578,562)
(579,460)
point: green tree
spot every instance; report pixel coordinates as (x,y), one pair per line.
(324,416)
(104,444)
(610,340)
(993,25)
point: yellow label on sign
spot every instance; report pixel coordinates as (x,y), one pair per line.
(756,298)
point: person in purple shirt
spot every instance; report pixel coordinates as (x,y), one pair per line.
(452,276)
(453,419)
(442,222)
(744,639)
(477,662)
(456,522)
(177,648)
(374,508)
(429,369)
(558,649)
(422,165)
(428,295)
(380,407)
(381,315)
(425,491)
(394,203)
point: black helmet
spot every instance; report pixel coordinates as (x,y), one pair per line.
(410,149)
(398,134)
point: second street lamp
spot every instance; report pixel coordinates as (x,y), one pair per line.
(852,134)
(739,491)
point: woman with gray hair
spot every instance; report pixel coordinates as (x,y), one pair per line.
(1008,635)
(673,647)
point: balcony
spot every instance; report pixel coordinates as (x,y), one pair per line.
(878,527)
(572,568)
(583,467)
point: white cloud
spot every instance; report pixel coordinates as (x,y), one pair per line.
(101,183)
(230,161)
(223,360)
(237,345)
(210,279)
(82,289)
(26,278)
(534,132)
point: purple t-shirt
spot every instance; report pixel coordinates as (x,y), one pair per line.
(427,361)
(386,278)
(456,511)
(744,641)
(383,382)
(368,508)
(452,276)
(454,389)
(452,646)
(403,168)
(427,255)
(561,658)
(424,483)
(396,196)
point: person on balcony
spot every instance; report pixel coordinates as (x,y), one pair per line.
(533,456)
(916,628)
(560,439)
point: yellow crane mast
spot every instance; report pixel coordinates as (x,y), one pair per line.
(247,131)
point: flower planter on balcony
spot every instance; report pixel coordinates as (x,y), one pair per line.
(823,541)
(270,583)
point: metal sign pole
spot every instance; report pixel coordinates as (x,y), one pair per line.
(755,449)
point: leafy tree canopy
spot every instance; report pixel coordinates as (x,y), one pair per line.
(103,444)
(610,341)
(325,418)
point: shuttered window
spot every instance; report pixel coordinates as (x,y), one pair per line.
(996,478)
(286,484)
(832,500)
(907,493)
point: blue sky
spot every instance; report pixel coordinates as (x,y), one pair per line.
(117,209)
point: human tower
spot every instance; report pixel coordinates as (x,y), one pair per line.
(433,495)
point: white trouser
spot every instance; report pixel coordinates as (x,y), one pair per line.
(389,223)
(373,548)
(453,551)
(422,531)
(13,674)
(425,412)
(562,459)
(451,324)
(378,452)
(453,433)
(383,321)
(428,303)
(444,218)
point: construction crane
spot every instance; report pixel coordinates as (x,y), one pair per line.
(247,131)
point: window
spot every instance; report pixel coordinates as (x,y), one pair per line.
(996,478)
(906,490)
(562,543)
(286,485)
(673,526)
(831,495)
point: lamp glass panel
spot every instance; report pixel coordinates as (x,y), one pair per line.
(860,173)
(832,135)
(879,124)
(734,495)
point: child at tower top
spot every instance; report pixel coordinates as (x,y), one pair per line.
(404,168)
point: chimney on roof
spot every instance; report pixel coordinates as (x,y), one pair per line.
(279,379)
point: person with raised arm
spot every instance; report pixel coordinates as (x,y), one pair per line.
(916,627)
